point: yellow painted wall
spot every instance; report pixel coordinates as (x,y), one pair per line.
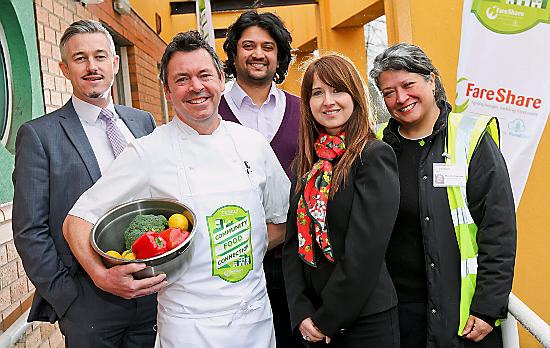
(146,9)
(532,282)
(435,26)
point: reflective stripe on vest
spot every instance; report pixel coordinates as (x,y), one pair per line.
(463,135)
(468,266)
(461,216)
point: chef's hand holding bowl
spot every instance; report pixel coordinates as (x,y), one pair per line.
(108,234)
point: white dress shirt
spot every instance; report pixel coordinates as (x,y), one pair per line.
(265,118)
(96,130)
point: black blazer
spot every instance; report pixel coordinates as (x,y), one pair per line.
(360,220)
(54,165)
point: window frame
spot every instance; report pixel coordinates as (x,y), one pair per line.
(5,60)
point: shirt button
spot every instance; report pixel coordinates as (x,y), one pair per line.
(427,218)
(424,177)
(434,311)
(432,265)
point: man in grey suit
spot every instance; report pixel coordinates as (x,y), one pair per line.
(58,157)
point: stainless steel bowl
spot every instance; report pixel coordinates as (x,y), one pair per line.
(108,234)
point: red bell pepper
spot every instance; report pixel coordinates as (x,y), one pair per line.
(174,236)
(149,245)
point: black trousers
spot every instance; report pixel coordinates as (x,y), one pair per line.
(380,330)
(273,269)
(97,319)
(413,324)
(413,327)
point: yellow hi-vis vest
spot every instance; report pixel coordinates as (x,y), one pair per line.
(463,136)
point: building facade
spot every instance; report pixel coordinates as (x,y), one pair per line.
(31,84)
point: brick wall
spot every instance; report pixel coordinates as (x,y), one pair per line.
(14,285)
(16,292)
(144,53)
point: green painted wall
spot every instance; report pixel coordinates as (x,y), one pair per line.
(18,20)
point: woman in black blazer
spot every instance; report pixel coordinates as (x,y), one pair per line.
(342,211)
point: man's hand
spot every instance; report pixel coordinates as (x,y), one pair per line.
(476,329)
(311,333)
(276,234)
(118,280)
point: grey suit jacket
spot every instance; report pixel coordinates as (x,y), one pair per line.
(54,165)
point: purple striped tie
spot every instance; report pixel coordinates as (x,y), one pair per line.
(118,142)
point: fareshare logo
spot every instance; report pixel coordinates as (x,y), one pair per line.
(511,16)
(491,12)
(467,90)
(461,101)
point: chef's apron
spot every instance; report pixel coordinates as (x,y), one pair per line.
(220,301)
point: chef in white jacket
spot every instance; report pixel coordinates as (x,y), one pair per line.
(229,176)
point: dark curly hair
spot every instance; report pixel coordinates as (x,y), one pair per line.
(186,42)
(271,23)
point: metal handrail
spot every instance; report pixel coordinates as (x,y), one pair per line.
(15,331)
(529,320)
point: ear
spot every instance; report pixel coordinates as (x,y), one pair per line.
(432,78)
(222,81)
(64,69)
(116,64)
(166,93)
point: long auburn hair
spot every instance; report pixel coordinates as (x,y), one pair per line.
(338,72)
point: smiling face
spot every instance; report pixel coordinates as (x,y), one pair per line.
(194,89)
(330,107)
(256,57)
(90,66)
(409,98)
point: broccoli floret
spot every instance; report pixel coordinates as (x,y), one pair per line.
(141,224)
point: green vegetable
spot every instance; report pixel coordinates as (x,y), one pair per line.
(141,224)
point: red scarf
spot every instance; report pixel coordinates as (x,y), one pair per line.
(312,207)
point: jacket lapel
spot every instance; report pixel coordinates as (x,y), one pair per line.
(134,126)
(75,132)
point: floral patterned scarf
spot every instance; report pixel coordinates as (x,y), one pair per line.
(312,207)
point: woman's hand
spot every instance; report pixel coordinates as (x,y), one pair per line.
(476,329)
(310,332)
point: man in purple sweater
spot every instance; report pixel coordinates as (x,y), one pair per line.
(258,56)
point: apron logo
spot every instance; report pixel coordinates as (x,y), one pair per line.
(230,244)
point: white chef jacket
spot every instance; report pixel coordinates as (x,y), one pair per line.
(149,167)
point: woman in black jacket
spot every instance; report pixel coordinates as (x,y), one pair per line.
(343,204)
(428,267)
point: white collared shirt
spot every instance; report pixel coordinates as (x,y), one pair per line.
(96,132)
(265,118)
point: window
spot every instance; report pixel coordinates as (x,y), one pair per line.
(121,88)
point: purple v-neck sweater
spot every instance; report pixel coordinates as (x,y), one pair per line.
(285,141)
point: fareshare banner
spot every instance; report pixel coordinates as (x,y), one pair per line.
(504,71)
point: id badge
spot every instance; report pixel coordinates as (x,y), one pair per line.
(445,175)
